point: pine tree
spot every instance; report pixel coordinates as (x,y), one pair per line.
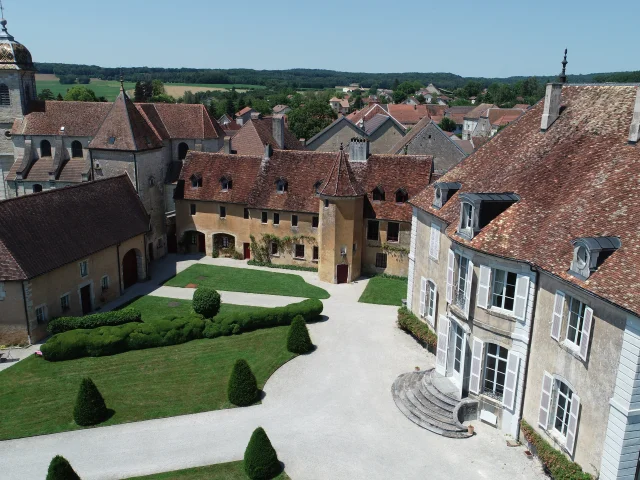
(298,340)
(243,387)
(260,458)
(60,469)
(59,97)
(90,408)
(138,92)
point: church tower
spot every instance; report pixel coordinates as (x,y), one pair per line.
(17,89)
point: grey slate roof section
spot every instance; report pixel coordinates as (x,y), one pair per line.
(489,197)
(334,124)
(600,243)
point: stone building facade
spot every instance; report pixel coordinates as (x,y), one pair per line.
(529,288)
(53,264)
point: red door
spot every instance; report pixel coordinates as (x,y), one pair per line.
(247,251)
(343,273)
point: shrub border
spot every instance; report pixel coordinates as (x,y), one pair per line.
(299,268)
(418,329)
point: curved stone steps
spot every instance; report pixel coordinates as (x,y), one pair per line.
(427,383)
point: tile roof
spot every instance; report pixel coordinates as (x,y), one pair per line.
(577,179)
(341,182)
(243,111)
(466,145)
(303,170)
(503,116)
(522,106)
(186,120)
(457,114)
(279,108)
(419,127)
(72,170)
(37,235)
(479,111)
(257,133)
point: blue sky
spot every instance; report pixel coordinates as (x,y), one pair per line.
(469,38)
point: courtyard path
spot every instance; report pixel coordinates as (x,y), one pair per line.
(329,414)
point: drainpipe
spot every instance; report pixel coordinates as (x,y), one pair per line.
(119,275)
(135,171)
(93,173)
(526,370)
(26,312)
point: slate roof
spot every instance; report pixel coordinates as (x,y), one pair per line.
(302,170)
(254,135)
(419,127)
(578,179)
(37,235)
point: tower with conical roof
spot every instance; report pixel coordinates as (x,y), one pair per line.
(341,229)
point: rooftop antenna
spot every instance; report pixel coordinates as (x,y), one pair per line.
(563,75)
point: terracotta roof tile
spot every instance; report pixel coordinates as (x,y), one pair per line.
(479,111)
(79,119)
(254,135)
(341,182)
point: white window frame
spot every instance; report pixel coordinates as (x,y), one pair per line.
(582,308)
(503,295)
(84,266)
(68,306)
(562,436)
(104,285)
(43,309)
(460,293)
(430,301)
(498,359)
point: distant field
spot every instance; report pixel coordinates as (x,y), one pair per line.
(110,88)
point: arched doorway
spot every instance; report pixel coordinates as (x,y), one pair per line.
(224,242)
(130,267)
(183,148)
(194,242)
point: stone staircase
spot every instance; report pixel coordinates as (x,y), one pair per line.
(418,397)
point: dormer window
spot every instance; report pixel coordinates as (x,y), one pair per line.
(591,252)
(196,180)
(281,185)
(477,210)
(226,184)
(378,194)
(402,196)
(466,222)
(443,191)
(317,185)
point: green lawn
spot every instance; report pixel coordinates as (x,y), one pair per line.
(37,397)
(246,280)
(385,291)
(221,471)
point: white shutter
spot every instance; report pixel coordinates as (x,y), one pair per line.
(443,345)
(467,289)
(484,286)
(545,400)
(435,302)
(573,423)
(423,295)
(434,241)
(586,332)
(558,309)
(450,266)
(522,294)
(511,381)
(476,366)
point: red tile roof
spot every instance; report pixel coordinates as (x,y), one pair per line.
(38,235)
(503,116)
(254,135)
(243,111)
(341,181)
(578,179)
(479,111)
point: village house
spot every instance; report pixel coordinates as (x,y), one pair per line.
(405,115)
(281,109)
(523,259)
(54,264)
(471,118)
(244,115)
(457,114)
(258,132)
(339,105)
(345,214)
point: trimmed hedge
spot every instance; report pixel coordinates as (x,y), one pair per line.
(299,268)
(419,330)
(116,317)
(60,469)
(234,323)
(103,341)
(90,408)
(260,458)
(206,302)
(242,389)
(298,340)
(559,466)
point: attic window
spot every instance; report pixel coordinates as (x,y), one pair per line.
(378,194)
(281,185)
(226,184)
(196,180)
(402,196)
(112,140)
(317,185)
(591,252)
(479,209)
(443,191)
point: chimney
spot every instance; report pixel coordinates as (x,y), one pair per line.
(277,123)
(552,98)
(227,144)
(303,142)
(634,130)
(358,149)
(256,115)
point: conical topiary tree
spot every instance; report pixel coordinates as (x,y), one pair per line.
(90,408)
(298,340)
(60,469)
(260,458)
(243,387)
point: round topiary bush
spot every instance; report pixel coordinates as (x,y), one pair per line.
(90,408)
(206,302)
(243,388)
(60,469)
(298,340)
(260,458)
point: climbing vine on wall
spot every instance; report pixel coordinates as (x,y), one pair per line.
(394,250)
(261,249)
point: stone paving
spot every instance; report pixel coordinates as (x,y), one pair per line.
(329,414)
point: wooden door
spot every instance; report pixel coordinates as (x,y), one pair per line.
(247,250)
(201,243)
(85,299)
(343,273)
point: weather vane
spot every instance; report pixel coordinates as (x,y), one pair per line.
(1,9)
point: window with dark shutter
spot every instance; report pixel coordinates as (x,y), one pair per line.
(276,219)
(314,222)
(393,231)
(316,253)
(264,217)
(246,213)
(299,251)
(373,230)
(193,208)
(223,212)
(381,260)
(274,248)
(294,220)
(5,99)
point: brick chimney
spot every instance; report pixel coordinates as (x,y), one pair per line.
(634,130)
(227,144)
(553,98)
(277,123)
(358,149)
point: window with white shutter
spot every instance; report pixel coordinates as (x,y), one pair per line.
(545,400)
(587,325)
(572,430)
(511,382)
(443,345)
(467,293)
(566,411)
(476,366)
(432,296)
(522,294)
(450,274)
(434,242)
(556,321)
(423,295)
(484,282)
